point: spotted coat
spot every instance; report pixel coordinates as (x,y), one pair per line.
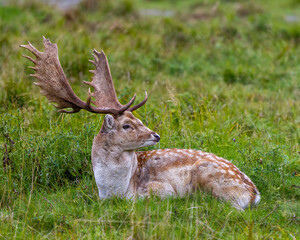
(182,171)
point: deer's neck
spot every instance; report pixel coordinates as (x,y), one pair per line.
(113,170)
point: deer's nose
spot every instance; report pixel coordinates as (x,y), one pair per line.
(157,137)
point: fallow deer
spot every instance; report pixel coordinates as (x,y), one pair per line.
(118,169)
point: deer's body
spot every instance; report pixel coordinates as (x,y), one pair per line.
(118,169)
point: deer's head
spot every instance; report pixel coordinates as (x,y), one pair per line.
(127,132)
(120,127)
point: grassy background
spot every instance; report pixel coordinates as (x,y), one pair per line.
(214,72)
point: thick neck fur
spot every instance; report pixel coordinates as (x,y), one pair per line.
(113,167)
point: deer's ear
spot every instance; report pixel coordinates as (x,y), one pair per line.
(109,122)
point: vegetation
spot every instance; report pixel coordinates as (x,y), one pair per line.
(222,77)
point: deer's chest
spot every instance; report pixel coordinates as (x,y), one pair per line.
(113,177)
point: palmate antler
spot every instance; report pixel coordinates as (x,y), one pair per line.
(55,86)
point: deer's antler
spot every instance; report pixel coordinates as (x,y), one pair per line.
(104,93)
(55,86)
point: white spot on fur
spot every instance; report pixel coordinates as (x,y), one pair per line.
(231,172)
(223,165)
(199,153)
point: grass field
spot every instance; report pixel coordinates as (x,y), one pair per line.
(221,77)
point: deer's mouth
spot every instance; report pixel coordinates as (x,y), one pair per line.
(149,142)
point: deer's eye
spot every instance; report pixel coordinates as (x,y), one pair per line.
(126,126)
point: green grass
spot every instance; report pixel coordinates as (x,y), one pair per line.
(214,73)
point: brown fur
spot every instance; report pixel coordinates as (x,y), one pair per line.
(206,171)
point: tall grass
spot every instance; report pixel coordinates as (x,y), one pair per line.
(221,78)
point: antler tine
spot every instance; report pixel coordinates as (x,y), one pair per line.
(32,49)
(126,107)
(29,58)
(89,83)
(88,101)
(140,104)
